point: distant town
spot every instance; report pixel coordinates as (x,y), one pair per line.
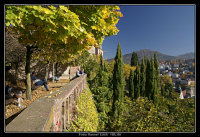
(182,73)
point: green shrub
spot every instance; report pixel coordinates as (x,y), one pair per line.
(86,115)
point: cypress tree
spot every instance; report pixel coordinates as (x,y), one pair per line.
(157,79)
(100,72)
(137,81)
(143,77)
(145,60)
(131,84)
(147,84)
(157,72)
(118,90)
(152,79)
(134,59)
(101,63)
(105,69)
(118,76)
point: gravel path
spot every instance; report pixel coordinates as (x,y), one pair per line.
(12,109)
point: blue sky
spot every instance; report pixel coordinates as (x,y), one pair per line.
(168,29)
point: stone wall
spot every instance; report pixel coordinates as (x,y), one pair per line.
(51,113)
(69,73)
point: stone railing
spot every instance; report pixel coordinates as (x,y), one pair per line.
(51,113)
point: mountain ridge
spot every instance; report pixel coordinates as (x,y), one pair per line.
(161,57)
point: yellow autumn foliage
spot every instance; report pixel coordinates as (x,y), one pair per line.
(127,69)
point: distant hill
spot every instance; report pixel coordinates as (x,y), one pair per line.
(149,53)
(189,55)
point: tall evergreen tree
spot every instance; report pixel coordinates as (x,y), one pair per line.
(105,69)
(118,76)
(149,86)
(134,59)
(157,72)
(118,90)
(157,79)
(145,60)
(152,85)
(131,84)
(101,63)
(152,79)
(102,95)
(142,78)
(137,81)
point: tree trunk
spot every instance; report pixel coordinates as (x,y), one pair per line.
(27,70)
(56,69)
(47,70)
(69,72)
(53,73)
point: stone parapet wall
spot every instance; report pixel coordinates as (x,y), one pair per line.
(69,73)
(51,113)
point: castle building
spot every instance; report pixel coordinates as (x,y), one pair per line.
(96,51)
(70,72)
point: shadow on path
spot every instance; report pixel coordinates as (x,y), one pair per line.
(8,120)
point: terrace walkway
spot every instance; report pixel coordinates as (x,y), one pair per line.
(51,113)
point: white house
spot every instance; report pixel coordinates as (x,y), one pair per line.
(175,69)
(192,91)
(161,67)
(175,75)
(165,71)
(176,66)
(167,67)
(191,82)
(169,73)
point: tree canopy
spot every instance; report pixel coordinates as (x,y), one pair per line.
(60,33)
(71,28)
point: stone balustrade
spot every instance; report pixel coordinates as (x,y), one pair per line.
(51,113)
